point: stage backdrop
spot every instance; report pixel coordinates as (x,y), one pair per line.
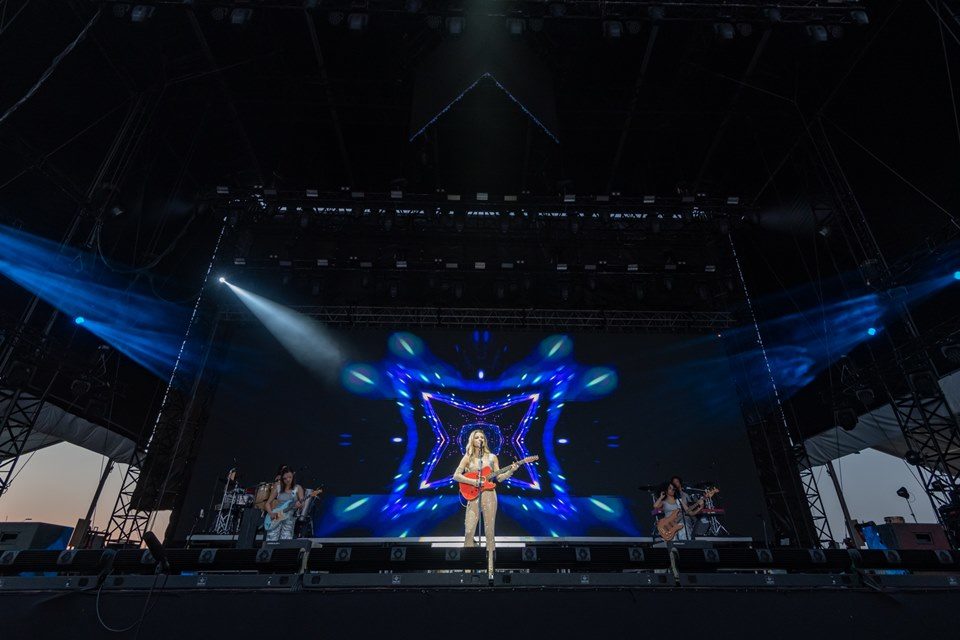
(606,413)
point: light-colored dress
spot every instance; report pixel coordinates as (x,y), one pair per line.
(284,531)
(486,501)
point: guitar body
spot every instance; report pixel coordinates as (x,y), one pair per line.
(670,526)
(471,491)
(283,509)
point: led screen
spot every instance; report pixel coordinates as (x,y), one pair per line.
(605,413)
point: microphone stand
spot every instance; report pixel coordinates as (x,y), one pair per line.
(481,523)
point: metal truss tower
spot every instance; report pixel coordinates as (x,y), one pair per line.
(790,487)
(930,428)
(163,460)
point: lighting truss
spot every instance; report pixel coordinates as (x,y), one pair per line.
(790,11)
(478,209)
(512,319)
(166,454)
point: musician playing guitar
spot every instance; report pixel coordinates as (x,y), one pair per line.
(479,462)
(285,490)
(672,499)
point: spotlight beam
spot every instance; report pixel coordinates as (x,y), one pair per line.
(304,338)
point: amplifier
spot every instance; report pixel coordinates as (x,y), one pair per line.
(913,536)
(33,535)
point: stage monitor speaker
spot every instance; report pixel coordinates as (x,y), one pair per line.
(913,536)
(249,523)
(33,535)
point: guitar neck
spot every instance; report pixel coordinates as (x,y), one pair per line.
(504,470)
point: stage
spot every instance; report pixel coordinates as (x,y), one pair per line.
(424,612)
(426,587)
(215,540)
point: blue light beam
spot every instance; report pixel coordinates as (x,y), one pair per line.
(147,330)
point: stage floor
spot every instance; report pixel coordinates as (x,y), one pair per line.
(202,539)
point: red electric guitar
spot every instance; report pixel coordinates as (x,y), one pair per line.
(470,490)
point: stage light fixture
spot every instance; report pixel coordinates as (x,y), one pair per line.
(515,26)
(357,21)
(455,25)
(241,16)
(914,458)
(951,352)
(724,30)
(903,493)
(413,6)
(866,396)
(483,196)
(924,384)
(612,29)
(655,13)
(633,27)
(846,418)
(79,320)
(433,22)
(859,16)
(817,32)
(956,275)
(536,25)
(773,14)
(335,18)
(222,280)
(872,331)
(141,13)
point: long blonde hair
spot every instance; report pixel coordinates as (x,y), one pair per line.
(471,449)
